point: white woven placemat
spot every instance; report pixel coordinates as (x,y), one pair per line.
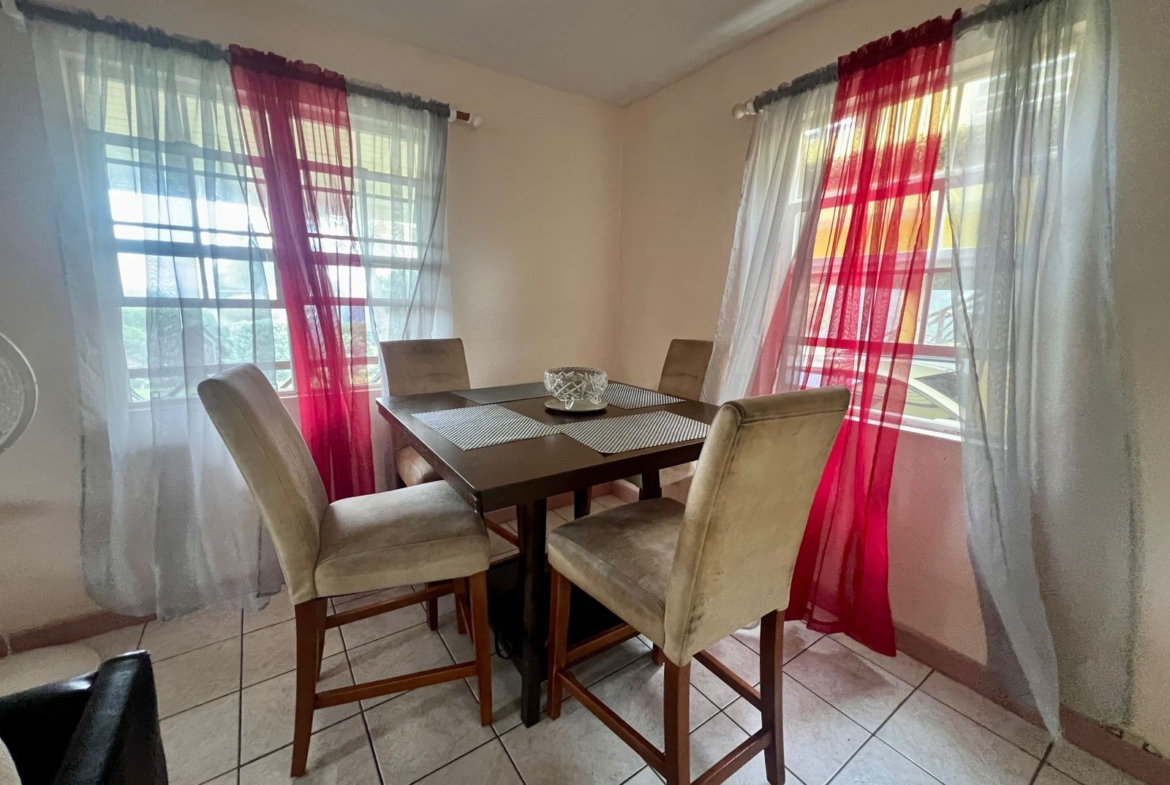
(626,397)
(482,426)
(636,431)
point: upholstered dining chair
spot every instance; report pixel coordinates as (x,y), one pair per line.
(416,367)
(424,534)
(688,576)
(683,374)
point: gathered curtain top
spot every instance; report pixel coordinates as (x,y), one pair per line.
(266,62)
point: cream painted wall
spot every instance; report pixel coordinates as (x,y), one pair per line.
(682,165)
(534,199)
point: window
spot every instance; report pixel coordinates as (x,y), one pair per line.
(187,235)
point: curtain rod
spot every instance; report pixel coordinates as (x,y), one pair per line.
(19,10)
(991,12)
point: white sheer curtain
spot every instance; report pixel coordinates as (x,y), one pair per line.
(1049,484)
(782,184)
(170,279)
(400,158)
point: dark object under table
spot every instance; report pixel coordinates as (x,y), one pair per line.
(524,474)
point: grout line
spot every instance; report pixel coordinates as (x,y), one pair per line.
(872,735)
(240,705)
(511,760)
(455,759)
(632,776)
(1043,759)
(365,723)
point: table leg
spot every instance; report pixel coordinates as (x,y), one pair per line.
(531,522)
(582,501)
(651,486)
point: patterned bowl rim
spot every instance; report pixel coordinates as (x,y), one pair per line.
(582,369)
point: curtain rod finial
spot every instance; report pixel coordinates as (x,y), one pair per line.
(739,111)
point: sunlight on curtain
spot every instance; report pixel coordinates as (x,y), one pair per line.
(170,279)
(1046,453)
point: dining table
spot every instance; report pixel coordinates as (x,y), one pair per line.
(525,474)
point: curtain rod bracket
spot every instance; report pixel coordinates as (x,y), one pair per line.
(10,10)
(459,116)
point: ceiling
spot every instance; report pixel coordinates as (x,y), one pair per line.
(616,51)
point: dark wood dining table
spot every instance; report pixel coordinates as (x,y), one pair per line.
(525,474)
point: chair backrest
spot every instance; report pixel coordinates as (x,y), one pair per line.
(425,366)
(746,513)
(275,461)
(685,368)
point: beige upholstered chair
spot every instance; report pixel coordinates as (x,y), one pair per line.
(687,577)
(683,374)
(423,366)
(424,534)
(685,368)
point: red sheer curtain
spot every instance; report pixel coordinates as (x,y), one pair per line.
(298,136)
(857,324)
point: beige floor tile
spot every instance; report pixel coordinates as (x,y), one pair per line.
(279,609)
(201,743)
(1028,737)
(415,649)
(505,694)
(903,665)
(486,765)
(637,693)
(268,707)
(596,668)
(647,777)
(577,748)
(818,739)
(1086,769)
(460,646)
(167,638)
(736,656)
(366,630)
(953,748)
(880,764)
(609,501)
(230,778)
(420,731)
(338,755)
(860,689)
(115,642)
(797,638)
(197,676)
(716,738)
(1050,776)
(271,651)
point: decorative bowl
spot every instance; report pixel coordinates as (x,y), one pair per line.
(576,386)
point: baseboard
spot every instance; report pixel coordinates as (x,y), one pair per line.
(70,630)
(1094,738)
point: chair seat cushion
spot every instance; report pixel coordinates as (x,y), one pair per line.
(410,535)
(622,558)
(413,468)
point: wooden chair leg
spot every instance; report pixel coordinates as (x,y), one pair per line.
(657,655)
(460,606)
(558,641)
(322,612)
(310,628)
(432,607)
(483,654)
(677,713)
(772,693)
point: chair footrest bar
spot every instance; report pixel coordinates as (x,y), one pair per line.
(736,759)
(598,643)
(377,608)
(730,678)
(639,743)
(504,532)
(376,689)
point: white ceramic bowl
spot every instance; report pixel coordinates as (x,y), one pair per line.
(570,384)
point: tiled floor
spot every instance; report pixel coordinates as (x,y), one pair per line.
(225,685)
